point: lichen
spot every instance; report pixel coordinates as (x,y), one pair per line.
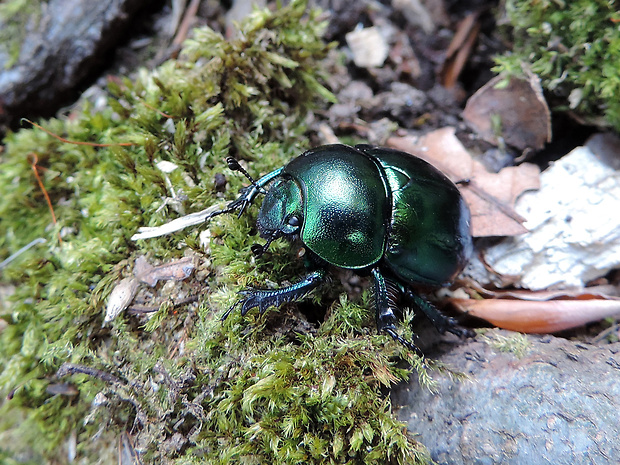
(574,47)
(188,388)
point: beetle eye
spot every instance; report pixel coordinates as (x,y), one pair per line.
(293,221)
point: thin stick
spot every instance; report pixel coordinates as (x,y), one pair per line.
(35,159)
(78,142)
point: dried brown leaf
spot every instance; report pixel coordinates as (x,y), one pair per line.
(176,270)
(120,298)
(490,196)
(532,316)
(521,108)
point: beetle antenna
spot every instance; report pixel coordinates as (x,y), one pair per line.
(234,165)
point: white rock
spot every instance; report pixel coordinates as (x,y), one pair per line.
(368,46)
(574,223)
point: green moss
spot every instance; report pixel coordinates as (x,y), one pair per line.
(192,390)
(517,344)
(574,46)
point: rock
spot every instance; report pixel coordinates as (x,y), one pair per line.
(573,222)
(57,52)
(557,403)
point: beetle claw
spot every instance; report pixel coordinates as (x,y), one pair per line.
(253,298)
(398,338)
(230,310)
(440,321)
(459,331)
(240,204)
(247,303)
(249,300)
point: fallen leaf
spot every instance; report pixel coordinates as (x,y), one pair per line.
(521,108)
(531,316)
(120,298)
(490,196)
(176,270)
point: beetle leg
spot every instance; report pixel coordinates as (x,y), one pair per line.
(385,316)
(265,298)
(440,321)
(247,194)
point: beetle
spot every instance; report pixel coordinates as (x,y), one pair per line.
(376,211)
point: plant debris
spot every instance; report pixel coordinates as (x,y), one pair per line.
(120,298)
(532,312)
(512,110)
(176,270)
(125,291)
(574,228)
(490,196)
(459,49)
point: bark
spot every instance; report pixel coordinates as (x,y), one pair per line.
(58,52)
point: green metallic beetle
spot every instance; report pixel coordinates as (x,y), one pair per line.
(373,210)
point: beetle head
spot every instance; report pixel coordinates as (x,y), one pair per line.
(280,214)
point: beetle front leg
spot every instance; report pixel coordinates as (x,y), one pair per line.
(385,316)
(247,194)
(265,298)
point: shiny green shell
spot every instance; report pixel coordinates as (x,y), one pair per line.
(430,239)
(362,206)
(345,205)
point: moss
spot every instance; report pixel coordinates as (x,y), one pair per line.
(192,389)
(574,47)
(517,344)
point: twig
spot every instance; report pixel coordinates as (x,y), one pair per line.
(12,257)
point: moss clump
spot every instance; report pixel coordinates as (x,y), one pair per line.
(516,344)
(190,389)
(574,46)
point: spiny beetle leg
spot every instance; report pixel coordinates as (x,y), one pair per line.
(398,338)
(440,321)
(265,298)
(385,316)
